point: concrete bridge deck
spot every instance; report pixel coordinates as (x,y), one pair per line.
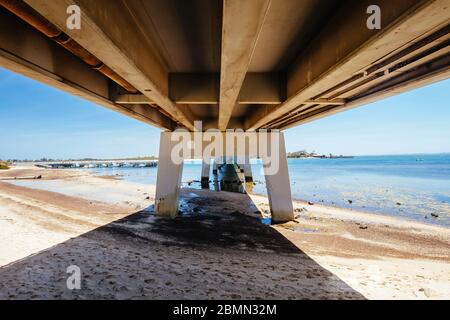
(252,65)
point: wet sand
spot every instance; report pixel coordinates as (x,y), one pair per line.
(217,248)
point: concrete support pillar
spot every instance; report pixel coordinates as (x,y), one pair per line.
(248,172)
(215,174)
(215,165)
(168,181)
(206,165)
(279,188)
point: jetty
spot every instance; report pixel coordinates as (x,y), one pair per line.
(255,68)
(89,164)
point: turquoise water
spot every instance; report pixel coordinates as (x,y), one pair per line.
(411,186)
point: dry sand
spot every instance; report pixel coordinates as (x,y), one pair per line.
(217,248)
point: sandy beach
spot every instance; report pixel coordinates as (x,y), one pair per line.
(217,247)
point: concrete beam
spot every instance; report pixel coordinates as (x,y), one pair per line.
(263,88)
(434,71)
(30,53)
(356,49)
(194,88)
(107,26)
(327,102)
(204,88)
(242,22)
(132,99)
(168,180)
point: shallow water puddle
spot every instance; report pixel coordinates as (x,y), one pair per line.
(305,230)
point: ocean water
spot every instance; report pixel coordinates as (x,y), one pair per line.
(411,186)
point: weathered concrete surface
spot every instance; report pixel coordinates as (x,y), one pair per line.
(279,188)
(215,250)
(168,181)
(206,166)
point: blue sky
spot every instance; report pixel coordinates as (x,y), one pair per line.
(38,121)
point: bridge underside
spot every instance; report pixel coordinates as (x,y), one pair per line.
(257,64)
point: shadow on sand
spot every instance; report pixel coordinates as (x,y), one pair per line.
(216,249)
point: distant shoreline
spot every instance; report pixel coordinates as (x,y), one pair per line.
(156,158)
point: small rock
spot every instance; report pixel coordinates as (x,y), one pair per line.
(310,203)
(434,215)
(398,203)
(363,227)
(350,201)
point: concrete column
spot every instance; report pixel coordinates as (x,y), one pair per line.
(248,172)
(215,165)
(168,181)
(206,165)
(215,174)
(279,188)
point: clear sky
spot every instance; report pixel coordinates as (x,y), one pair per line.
(38,121)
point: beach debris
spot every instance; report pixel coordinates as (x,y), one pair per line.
(425,291)
(361,226)
(350,201)
(398,204)
(310,203)
(147,198)
(434,215)
(22,178)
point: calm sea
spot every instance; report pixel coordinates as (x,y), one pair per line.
(411,186)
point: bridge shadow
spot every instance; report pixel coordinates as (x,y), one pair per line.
(216,249)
